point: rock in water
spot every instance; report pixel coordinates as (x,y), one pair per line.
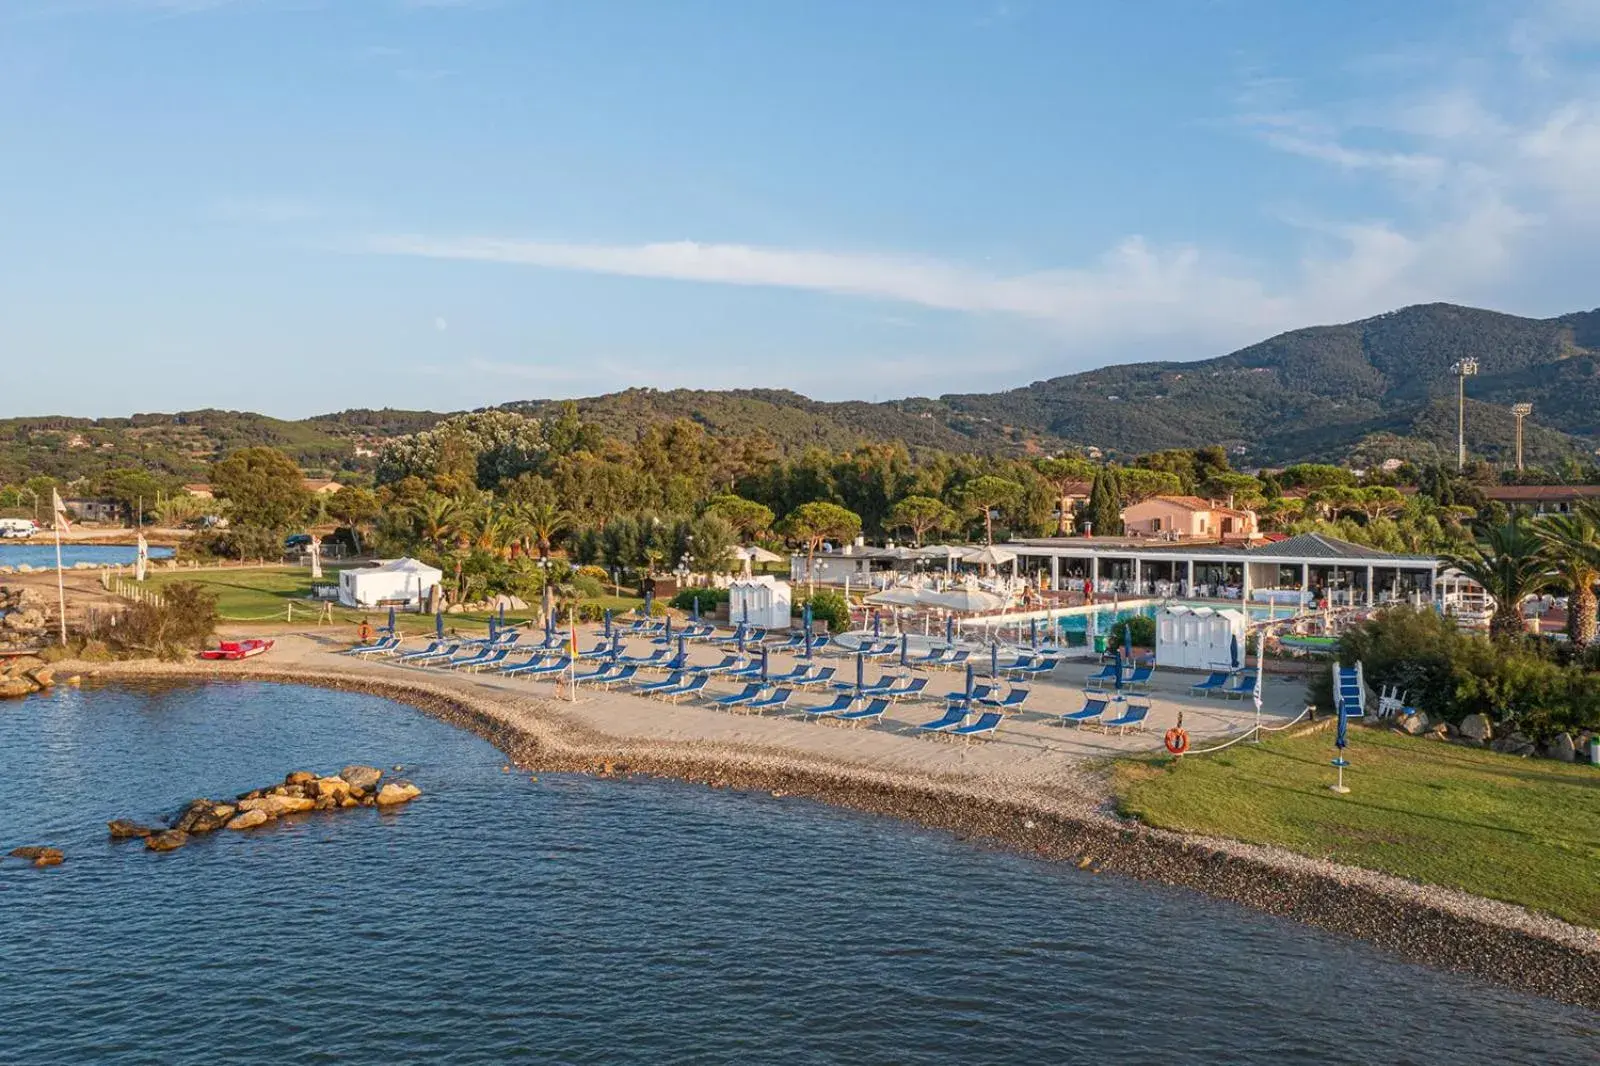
(49,857)
(42,676)
(334,788)
(397,792)
(203,816)
(1476,728)
(167,840)
(249,820)
(122,829)
(362,777)
(275,806)
(299,777)
(13,687)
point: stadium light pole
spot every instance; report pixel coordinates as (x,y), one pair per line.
(1519,411)
(1463,370)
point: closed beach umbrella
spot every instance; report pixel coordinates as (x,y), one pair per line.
(994,658)
(493,630)
(905,649)
(391,620)
(1117,661)
(669,629)
(549,618)
(438,624)
(764,651)
(683,651)
(607,623)
(949,629)
(694,609)
(877,625)
(805,618)
(861,672)
(738,637)
(502,613)
(1127,640)
(1233,650)
(969,682)
(1033,633)
(649,601)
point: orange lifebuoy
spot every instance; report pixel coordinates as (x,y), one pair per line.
(1177,741)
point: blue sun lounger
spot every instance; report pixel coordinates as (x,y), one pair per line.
(1133,717)
(907,689)
(652,659)
(600,675)
(647,688)
(1140,678)
(751,669)
(491,658)
(819,677)
(872,712)
(559,665)
(952,718)
(377,647)
(511,669)
(1012,701)
(621,676)
(985,726)
(935,657)
(1032,667)
(744,695)
(1214,683)
(793,640)
(841,703)
(1093,708)
(956,660)
(729,662)
(1242,686)
(1108,672)
(979,694)
(466,660)
(688,688)
(439,649)
(777,700)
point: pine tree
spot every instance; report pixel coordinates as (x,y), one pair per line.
(1105,503)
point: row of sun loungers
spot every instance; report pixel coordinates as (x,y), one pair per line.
(1132,715)
(1224,683)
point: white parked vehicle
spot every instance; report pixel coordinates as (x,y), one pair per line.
(17,528)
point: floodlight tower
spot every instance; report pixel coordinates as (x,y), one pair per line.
(1463,370)
(1519,411)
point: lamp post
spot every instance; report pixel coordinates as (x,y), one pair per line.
(1519,411)
(1463,370)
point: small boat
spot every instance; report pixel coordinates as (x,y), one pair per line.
(238,649)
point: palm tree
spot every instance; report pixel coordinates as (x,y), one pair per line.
(437,518)
(1508,562)
(540,523)
(1571,545)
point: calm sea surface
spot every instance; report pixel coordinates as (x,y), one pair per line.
(573,920)
(40,554)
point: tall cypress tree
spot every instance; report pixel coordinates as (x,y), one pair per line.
(1105,503)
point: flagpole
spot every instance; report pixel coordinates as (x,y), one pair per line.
(61,586)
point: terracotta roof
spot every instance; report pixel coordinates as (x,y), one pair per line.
(1191,503)
(1542,493)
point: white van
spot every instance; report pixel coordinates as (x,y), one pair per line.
(17,528)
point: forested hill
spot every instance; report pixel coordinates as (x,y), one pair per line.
(1362,392)
(1326,391)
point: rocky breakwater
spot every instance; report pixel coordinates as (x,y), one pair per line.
(301,791)
(23,677)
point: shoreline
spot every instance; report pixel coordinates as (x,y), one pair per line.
(1432,925)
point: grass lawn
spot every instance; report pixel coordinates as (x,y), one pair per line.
(264,595)
(1522,830)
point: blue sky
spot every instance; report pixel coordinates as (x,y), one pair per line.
(296,206)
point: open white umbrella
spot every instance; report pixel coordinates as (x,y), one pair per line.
(989,555)
(755,553)
(898,596)
(962,600)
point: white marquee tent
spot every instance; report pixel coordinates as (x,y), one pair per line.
(400,582)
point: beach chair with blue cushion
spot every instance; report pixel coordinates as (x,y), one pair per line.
(654,658)
(1094,705)
(872,712)
(979,694)
(952,718)
(842,702)
(1108,675)
(682,692)
(907,688)
(619,675)
(439,649)
(776,701)
(1216,682)
(729,662)
(1031,667)
(533,662)
(1243,685)
(985,726)
(956,660)
(816,678)
(793,640)
(650,688)
(935,657)
(1140,677)
(1132,717)
(377,647)
(599,675)
(744,695)
(1012,701)
(471,656)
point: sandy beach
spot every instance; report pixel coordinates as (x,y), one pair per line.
(1038,787)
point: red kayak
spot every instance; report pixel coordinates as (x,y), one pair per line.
(237,649)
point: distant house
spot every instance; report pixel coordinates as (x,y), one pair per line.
(200,491)
(1187,518)
(1544,499)
(94,510)
(318,486)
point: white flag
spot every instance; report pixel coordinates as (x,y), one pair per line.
(60,510)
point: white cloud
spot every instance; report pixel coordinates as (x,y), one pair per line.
(440,323)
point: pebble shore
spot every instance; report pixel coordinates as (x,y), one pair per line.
(1431,925)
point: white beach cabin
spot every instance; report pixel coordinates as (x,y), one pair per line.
(1198,638)
(762,601)
(398,582)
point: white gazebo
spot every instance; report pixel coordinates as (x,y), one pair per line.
(398,582)
(761,601)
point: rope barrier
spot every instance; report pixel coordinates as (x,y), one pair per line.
(1248,733)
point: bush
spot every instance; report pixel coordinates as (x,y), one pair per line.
(826,606)
(1143,627)
(707,598)
(1452,674)
(178,627)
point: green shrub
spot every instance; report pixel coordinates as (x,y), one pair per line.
(1142,626)
(708,599)
(826,606)
(179,626)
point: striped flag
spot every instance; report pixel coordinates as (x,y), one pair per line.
(60,510)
